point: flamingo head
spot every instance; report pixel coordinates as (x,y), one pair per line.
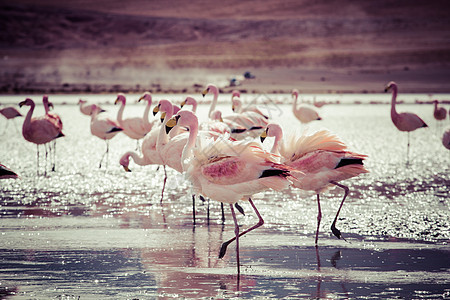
(27,102)
(125,162)
(390,85)
(183,118)
(236,104)
(217,115)
(235,93)
(147,96)
(210,88)
(81,101)
(120,99)
(295,93)
(189,101)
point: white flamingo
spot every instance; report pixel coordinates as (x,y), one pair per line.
(305,113)
(104,128)
(322,158)
(228,171)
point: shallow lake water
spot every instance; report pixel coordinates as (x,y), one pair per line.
(87,233)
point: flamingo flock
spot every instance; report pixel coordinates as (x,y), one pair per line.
(222,157)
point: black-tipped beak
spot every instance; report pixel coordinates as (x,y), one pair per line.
(155,110)
(171,124)
(126,169)
(21,103)
(263,136)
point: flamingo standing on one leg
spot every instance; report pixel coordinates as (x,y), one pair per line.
(305,113)
(86,109)
(10,112)
(228,171)
(135,127)
(403,121)
(55,119)
(103,128)
(38,130)
(323,159)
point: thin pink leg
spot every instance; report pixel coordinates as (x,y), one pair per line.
(236,232)
(336,231)
(223,249)
(319,218)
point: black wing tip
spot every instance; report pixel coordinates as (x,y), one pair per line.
(349,161)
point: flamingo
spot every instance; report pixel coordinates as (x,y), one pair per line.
(10,112)
(252,122)
(103,128)
(38,130)
(324,161)
(147,96)
(135,128)
(228,171)
(86,109)
(439,113)
(55,119)
(237,106)
(6,173)
(305,113)
(446,138)
(190,101)
(403,121)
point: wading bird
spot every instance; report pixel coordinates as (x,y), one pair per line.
(55,119)
(39,131)
(86,109)
(305,113)
(228,171)
(9,113)
(403,121)
(103,128)
(322,158)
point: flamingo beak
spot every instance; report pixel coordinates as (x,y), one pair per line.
(263,136)
(117,101)
(126,169)
(21,103)
(232,107)
(155,110)
(50,105)
(205,92)
(163,115)
(183,103)
(171,124)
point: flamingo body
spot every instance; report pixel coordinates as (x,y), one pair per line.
(439,113)
(304,113)
(10,112)
(446,139)
(135,127)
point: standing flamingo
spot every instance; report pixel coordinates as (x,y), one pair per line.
(55,119)
(38,130)
(103,128)
(403,121)
(305,113)
(86,109)
(6,173)
(10,112)
(228,171)
(323,159)
(147,96)
(238,107)
(439,113)
(135,127)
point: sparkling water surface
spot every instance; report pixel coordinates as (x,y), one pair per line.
(87,233)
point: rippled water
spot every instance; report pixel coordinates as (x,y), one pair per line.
(101,233)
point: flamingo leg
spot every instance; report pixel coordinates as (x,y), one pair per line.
(106,153)
(193,208)
(407,151)
(319,218)
(207,212)
(336,231)
(164,183)
(236,232)
(45,164)
(54,156)
(223,213)
(223,249)
(37,159)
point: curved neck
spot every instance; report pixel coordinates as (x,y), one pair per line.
(45,101)
(163,137)
(146,113)
(120,113)
(212,108)
(187,150)
(394,101)
(137,159)
(276,143)
(294,105)
(27,121)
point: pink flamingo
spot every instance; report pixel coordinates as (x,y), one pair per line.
(324,161)
(228,171)
(238,107)
(147,96)
(305,113)
(39,130)
(86,109)
(135,128)
(6,173)
(103,128)
(403,121)
(439,113)
(252,122)
(10,112)
(55,119)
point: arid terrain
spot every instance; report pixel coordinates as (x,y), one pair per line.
(323,46)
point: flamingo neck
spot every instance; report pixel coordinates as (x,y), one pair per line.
(163,137)
(294,105)
(187,150)
(393,102)
(27,121)
(146,113)
(212,108)
(120,113)
(276,143)
(137,159)
(45,101)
